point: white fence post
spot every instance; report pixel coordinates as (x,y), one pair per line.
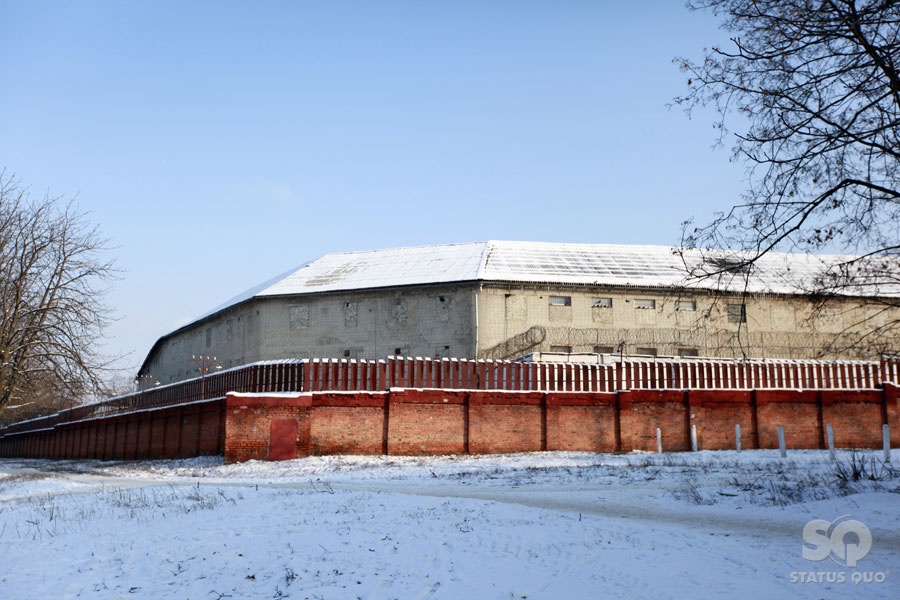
(830,431)
(781,445)
(694,437)
(737,437)
(658,440)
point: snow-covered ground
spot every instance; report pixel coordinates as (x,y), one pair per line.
(543,525)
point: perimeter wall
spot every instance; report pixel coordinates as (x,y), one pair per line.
(433,421)
(195,429)
(425,406)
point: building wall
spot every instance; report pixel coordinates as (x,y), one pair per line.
(424,321)
(440,321)
(232,337)
(514,320)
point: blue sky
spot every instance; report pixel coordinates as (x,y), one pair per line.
(218,144)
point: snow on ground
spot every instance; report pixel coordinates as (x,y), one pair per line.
(522,526)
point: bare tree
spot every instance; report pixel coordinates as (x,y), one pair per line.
(815,87)
(52,276)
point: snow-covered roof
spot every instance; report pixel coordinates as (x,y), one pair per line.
(538,263)
(384,268)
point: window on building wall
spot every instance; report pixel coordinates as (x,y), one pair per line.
(560,300)
(351,314)
(601,303)
(688,352)
(687,305)
(646,351)
(737,313)
(645,304)
(604,349)
(561,349)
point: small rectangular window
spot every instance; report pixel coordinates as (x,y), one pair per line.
(561,349)
(560,300)
(685,305)
(688,352)
(645,304)
(737,313)
(646,351)
(601,303)
(604,349)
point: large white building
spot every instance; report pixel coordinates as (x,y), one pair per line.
(504,299)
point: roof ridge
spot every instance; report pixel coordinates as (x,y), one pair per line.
(485,257)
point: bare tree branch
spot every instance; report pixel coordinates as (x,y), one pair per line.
(814,87)
(52,282)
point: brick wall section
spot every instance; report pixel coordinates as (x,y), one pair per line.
(852,415)
(715,413)
(428,422)
(506,422)
(648,410)
(434,421)
(248,423)
(581,422)
(348,423)
(892,412)
(799,412)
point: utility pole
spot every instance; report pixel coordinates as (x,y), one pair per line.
(204,364)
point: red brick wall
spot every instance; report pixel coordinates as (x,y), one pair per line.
(716,412)
(348,423)
(581,422)
(248,421)
(505,422)
(415,421)
(852,416)
(643,411)
(428,422)
(892,412)
(797,411)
